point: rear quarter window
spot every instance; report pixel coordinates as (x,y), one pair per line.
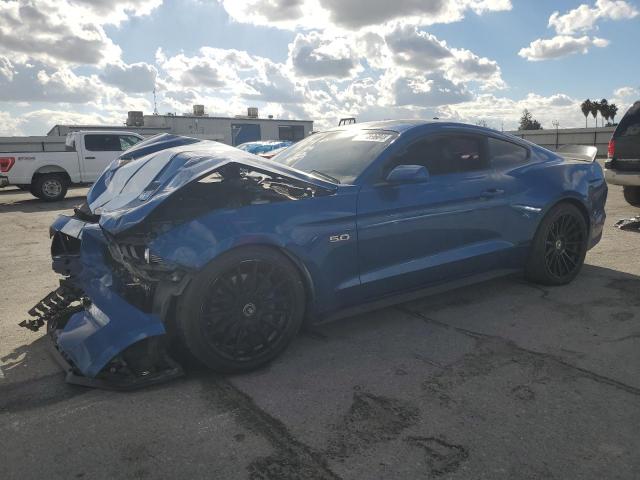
(630,124)
(506,155)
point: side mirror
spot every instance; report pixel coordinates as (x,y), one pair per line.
(408,174)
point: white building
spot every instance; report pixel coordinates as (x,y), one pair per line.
(229,130)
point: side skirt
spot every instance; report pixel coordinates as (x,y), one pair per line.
(395,299)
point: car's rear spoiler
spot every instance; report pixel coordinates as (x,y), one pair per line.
(582,153)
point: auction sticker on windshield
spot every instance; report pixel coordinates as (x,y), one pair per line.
(372,137)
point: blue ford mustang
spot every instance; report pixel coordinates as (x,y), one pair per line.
(228,254)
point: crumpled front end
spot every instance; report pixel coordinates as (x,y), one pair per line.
(127,255)
(105,331)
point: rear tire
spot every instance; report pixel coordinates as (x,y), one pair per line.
(242,310)
(632,195)
(50,187)
(559,246)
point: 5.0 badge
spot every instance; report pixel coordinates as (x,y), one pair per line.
(339,238)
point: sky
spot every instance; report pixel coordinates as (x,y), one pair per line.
(91,61)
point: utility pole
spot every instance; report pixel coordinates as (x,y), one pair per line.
(556,124)
(155,103)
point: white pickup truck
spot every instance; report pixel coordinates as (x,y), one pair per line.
(47,175)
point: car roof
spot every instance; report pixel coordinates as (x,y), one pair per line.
(401,126)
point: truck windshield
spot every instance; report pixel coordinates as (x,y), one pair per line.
(340,155)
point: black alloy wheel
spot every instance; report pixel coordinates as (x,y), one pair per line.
(564,245)
(559,246)
(242,310)
(247,309)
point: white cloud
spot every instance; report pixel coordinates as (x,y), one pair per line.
(115,11)
(417,49)
(354,14)
(579,20)
(223,80)
(272,82)
(43,119)
(584,18)
(210,68)
(10,126)
(133,78)
(560,46)
(466,66)
(624,97)
(501,112)
(39,83)
(410,48)
(314,55)
(67,32)
(422,91)
(627,93)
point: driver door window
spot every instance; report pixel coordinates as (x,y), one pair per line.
(447,154)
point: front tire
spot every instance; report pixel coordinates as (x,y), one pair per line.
(559,246)
(50,187)
(242,310)
(632,195)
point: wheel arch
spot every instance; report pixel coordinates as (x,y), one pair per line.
(576,202)
(303,271)
(50,169)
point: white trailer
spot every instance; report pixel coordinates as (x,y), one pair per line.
(48,174)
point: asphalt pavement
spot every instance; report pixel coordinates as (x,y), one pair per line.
(501,380)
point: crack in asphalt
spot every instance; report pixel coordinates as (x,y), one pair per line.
(292,459)
(547,356)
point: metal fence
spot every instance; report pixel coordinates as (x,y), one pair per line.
(554,138)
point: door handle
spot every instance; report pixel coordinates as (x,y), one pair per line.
(492,192)
(89,158)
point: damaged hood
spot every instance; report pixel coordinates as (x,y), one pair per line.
(130,188)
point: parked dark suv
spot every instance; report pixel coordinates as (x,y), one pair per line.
(623,165)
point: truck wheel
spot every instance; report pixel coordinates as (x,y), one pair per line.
(242,310)
(34,192)
(50,187)
(559,246)
(632,195)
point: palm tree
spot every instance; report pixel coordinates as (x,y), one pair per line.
(613,110)
(604,109)
(586,110)
(595,107)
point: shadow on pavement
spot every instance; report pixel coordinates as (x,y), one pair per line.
(596,310)
(32,204)
(20,390)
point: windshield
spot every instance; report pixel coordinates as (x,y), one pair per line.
(340,156)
